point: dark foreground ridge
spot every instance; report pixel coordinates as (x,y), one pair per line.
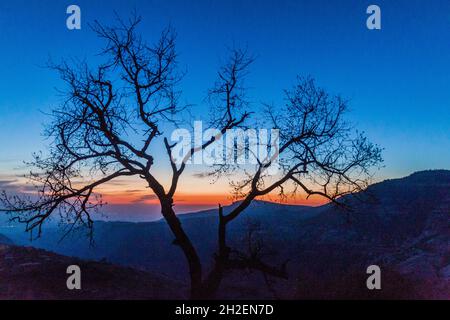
(29,273)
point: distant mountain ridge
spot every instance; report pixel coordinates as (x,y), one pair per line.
(5,240)
(436,176)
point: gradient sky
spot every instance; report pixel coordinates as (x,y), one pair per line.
(397,78)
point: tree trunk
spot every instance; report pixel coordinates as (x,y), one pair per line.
(212,282)
(182,240)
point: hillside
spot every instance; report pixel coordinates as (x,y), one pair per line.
(28,273)
(402,225)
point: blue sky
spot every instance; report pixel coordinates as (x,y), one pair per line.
(397,78)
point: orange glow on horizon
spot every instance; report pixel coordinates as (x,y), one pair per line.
(130,192)
(206,199)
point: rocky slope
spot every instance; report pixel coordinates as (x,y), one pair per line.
(29,273)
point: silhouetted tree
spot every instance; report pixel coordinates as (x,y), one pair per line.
(318,154)
(133,94)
